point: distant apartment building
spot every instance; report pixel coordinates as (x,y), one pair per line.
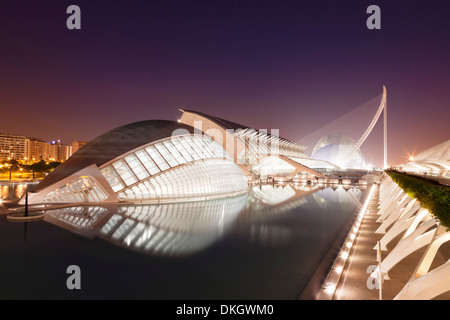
(59,151)
(14,147)
(37,150)
(77,145)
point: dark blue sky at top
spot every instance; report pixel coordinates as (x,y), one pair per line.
(288,65)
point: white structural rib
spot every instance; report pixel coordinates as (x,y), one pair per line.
(372,124)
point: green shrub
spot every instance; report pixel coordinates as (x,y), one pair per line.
(432,195)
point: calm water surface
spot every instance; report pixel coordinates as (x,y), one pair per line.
(276,242)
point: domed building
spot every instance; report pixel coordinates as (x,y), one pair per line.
(336,148)
(154,160)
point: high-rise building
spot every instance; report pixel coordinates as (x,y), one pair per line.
(76,145)
(13,147)
(37,150)
(23,148)
(59,151)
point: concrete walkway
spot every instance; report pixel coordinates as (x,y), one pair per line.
(353,282)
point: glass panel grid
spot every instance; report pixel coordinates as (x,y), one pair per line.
(125,172)
(79,190)
(209,177)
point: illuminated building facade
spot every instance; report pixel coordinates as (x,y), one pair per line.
(434,161)
(37,150)
(59,151)
(21,148)
(335,148)
(77,145)
(151,161)
(259,153)
(13,147)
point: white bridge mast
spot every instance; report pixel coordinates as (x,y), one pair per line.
(369,129)
(385,164)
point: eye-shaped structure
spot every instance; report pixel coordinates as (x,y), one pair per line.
(154,161)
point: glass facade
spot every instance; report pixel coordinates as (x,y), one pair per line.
(178,167)
(209,177)
(83,189)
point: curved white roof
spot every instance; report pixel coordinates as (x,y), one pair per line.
(439,154)
(434,160)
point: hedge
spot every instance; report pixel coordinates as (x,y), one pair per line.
(432,195)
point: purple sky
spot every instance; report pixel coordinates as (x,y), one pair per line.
(292,65)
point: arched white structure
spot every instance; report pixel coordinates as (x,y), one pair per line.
(417,229)
(372,124)
(155,160)
(250,148)
(434,161)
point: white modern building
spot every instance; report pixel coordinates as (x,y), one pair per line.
(335,149)
(198,157)
(434,161)
(152,161)
(257,152)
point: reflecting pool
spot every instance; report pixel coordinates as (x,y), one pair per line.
(275,242)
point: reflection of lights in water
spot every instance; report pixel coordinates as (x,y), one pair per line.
(306,187)
(20,190)
(220,224)
(12,191)
(79,218)
(185,228)
(272,195)
(165,229)
(267,235)
(329,197)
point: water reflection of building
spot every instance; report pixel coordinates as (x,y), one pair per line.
(12,192)
(343,197)
(166,229)
(268,201)
(176,229)
(270,204)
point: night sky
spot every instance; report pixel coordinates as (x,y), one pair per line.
(291,65)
